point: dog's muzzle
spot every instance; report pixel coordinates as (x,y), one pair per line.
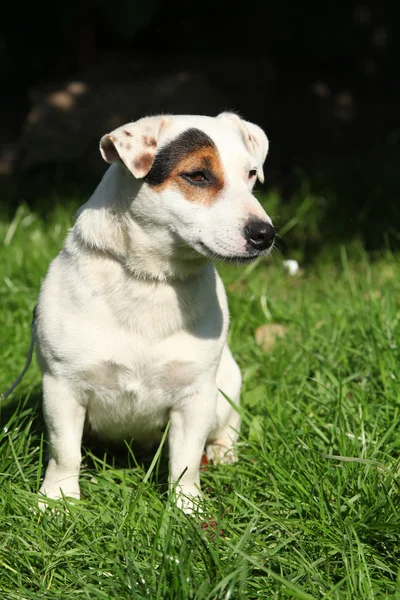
(259,235)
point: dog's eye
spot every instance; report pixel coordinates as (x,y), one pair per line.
(198,176)
(195,177)
(252,173)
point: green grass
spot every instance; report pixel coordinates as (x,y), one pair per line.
(312,508)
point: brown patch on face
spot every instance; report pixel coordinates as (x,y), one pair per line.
(127,133)
(193,152)
(143,162)
(149,141)
(206,161)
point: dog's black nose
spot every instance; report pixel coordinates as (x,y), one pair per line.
(259,234)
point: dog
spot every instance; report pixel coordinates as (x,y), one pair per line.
(132,317)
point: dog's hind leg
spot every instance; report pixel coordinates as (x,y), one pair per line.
(64,416)
(224,433)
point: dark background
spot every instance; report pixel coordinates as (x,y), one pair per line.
(322,78)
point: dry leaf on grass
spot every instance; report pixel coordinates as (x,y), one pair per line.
(204,463)
(267,334)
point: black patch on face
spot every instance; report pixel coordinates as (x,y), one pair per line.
(168,157)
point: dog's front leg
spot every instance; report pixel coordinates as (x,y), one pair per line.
(64,416)
(191,421)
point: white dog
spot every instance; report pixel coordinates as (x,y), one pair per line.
(132,317)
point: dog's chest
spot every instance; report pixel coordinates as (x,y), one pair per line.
(142,346)
(133,397)
(162,351)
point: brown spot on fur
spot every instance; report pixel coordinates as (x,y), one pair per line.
(128,147)
(127,133)
(143,162)
(149,141)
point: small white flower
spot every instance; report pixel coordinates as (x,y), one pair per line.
(291,266)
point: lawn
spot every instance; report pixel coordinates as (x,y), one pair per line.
(312,508)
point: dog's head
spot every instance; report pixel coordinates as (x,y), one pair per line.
(197,178)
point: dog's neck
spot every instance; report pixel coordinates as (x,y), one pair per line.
(105,224)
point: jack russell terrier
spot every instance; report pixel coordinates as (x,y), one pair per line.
(132,317)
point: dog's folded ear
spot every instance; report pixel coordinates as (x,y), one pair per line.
(135,144)
(254,138)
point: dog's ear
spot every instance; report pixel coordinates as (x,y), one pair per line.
(254,137)
(135,144)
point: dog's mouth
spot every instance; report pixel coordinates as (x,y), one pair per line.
(236,259)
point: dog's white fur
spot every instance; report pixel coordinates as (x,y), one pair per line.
(133,317)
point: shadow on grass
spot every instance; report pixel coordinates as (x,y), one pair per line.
(27,405)
(100,454)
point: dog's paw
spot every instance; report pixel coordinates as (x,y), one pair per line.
(221,453)
(189,501)
(49,492)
